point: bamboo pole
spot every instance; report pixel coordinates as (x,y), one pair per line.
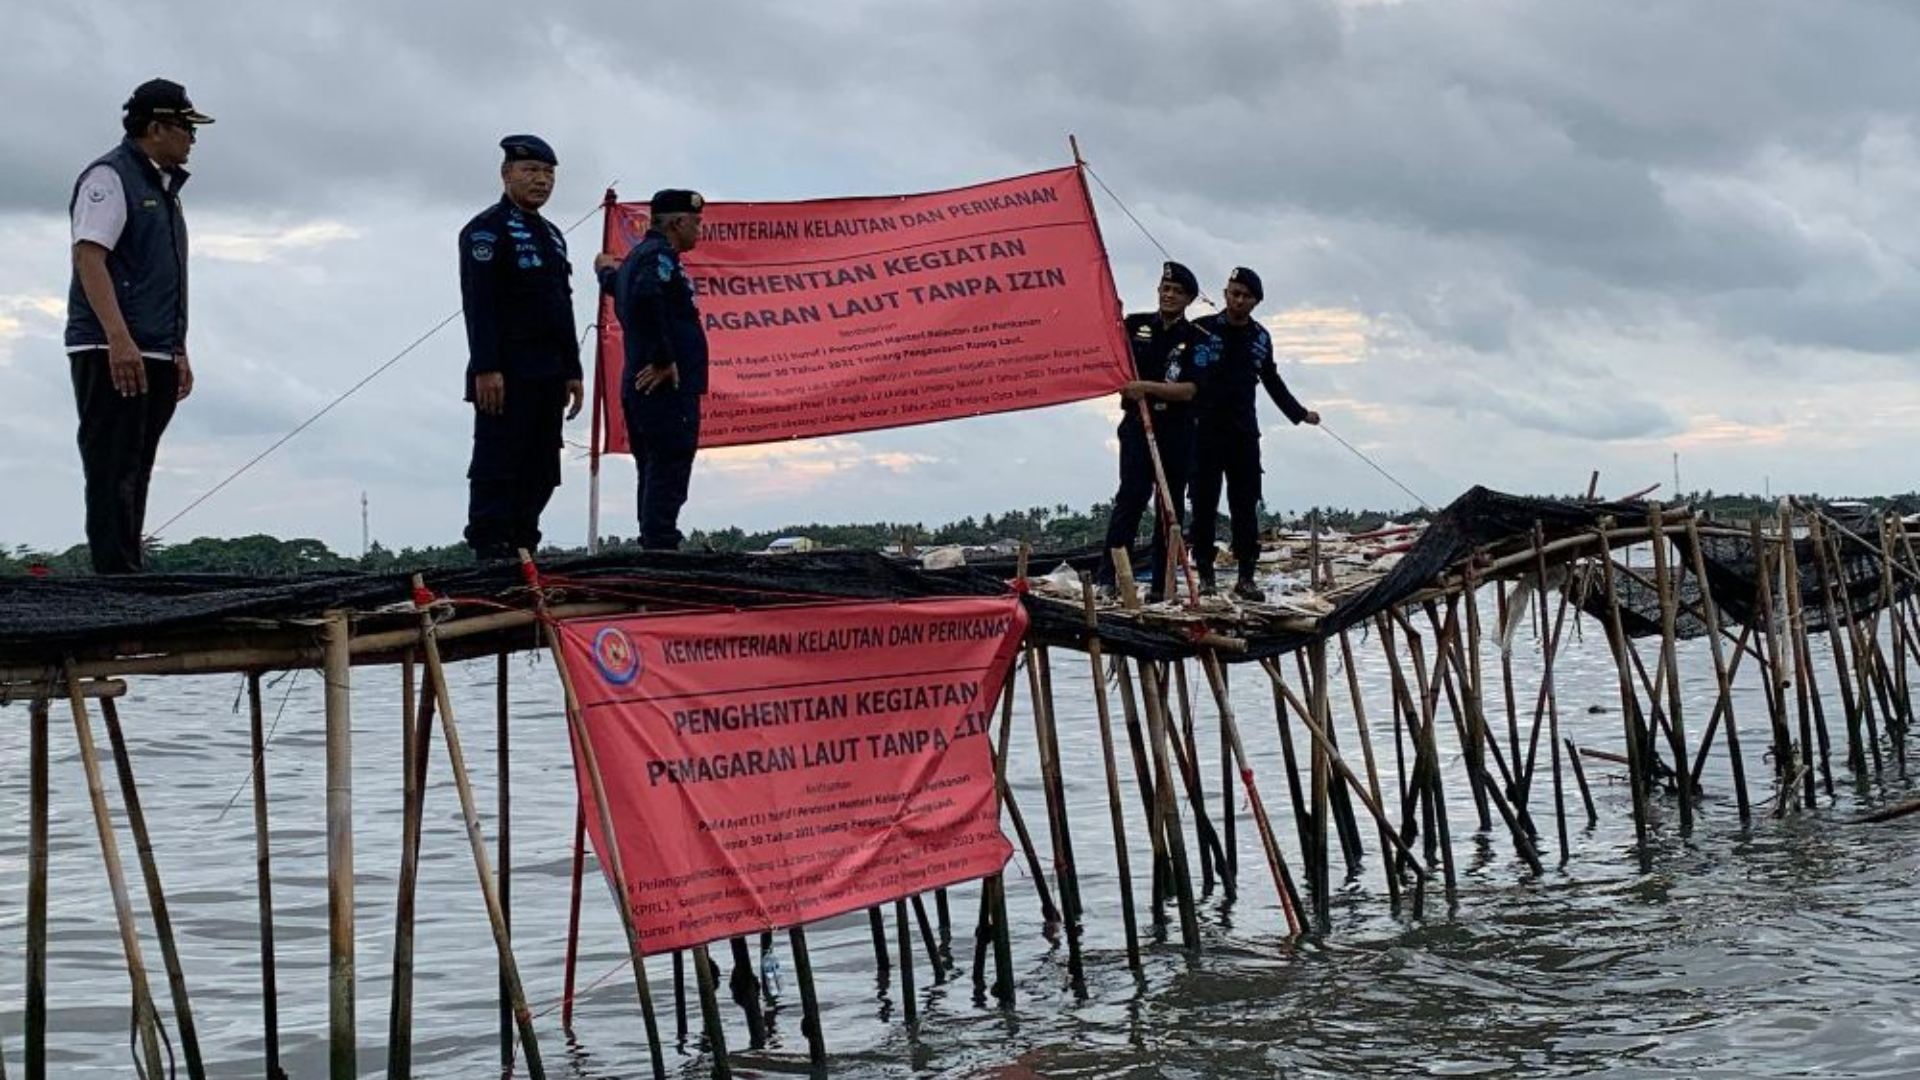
(35,1018)
(746,992)
(144,1016)
(909,1006)
(1807,695)
(1723,677)
(1154,700)
(1667,578)
(503,759)
(343,1050)
(1548,691)
(1186,749)
(1054,787)
(576,875)
(476,839)
(1230,729)
(1776,683)
(1580,776)
(400,1006)
(156,893)
(1429,748)
(810,1026)
(1319,867)
(610,860)
(1373,775)
(1617,636)
(1129,920)
(1856,753)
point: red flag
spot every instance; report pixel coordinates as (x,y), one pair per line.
(775,767)
(842,315)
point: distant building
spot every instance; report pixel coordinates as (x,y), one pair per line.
(790,545)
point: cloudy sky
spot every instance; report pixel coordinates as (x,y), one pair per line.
(1504,242)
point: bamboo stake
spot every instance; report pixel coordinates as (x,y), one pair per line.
(1055,790)
(610,860)
(476,839)
(1777,672)
(809,1001)
(1617,636)
(1321,872)
(1107,757)
(1580,776)
(706,980)
(144,1016)
(1807,694)
(577,874)
(1667,579)
(1856,753)
(908,1004)
(342,1049)
(1429,748)
(1723,677)
(1373,776)
(35,1018)
(1301,810)
(156,894)
(400,1007)
(746,992)
(503,759)
(1186,758)
(927,940)
(1230,731)
(1154,699)
(1548,691)
(1162,870)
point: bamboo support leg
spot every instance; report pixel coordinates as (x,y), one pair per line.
(1103,714)
(476,839)
(1667,578)
(810,1025)
(156,894)
(1230,732)
(1723,674)
(400,1009)
(145,1018)
(1153,694)
(35,1019)
(909,1006)
(1373,774)
(503,759)
(577,873)
(1580,778)
(745,989)
(1629,702)
(1187,751)
(342,1043)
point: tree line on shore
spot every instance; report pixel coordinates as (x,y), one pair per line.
(1045,528)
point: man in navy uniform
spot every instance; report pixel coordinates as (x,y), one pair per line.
(1227,438)
(1171,357)
(126,334)
(523,357)
(666,360)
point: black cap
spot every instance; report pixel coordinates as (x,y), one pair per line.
(164,99)
(527,148)
(675,201)
(1249,280)
(1173,273)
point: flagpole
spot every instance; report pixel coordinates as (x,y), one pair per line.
(599,389)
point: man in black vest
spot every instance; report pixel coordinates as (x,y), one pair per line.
(523,357)
(666,360)
(1171,357)
(1227,439)
(127,313)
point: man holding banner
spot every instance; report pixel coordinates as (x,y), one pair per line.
(1170,357)
(665,373)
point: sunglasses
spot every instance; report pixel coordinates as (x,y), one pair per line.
(182,125)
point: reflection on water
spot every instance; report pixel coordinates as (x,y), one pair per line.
(1783,949)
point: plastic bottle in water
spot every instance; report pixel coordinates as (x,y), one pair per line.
(769,972)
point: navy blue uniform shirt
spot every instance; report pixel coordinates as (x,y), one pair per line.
(1226,401)
(517,286)
(1177,353)
(659,320)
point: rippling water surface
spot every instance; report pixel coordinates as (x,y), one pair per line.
(1785,948)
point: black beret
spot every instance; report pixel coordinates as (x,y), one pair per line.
(1173,273)
(1248,279)
(675,201)
(528,148)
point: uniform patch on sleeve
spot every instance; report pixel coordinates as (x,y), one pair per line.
(666,268)
(482,251)
(96,195)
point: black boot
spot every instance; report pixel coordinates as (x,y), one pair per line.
(1245,589)
(1207,585)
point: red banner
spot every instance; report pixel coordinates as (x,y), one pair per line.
(769,768)
(843,315)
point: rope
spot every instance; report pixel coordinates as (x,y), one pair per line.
(1376,466)
(329,407)
(1151,239)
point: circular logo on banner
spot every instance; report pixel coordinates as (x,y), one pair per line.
(616,656)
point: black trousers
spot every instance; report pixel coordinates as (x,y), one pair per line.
(1136,495)
(1232,456)
(515,467)
(119,437)
(663,429)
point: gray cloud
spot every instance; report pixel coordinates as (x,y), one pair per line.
(1578,232)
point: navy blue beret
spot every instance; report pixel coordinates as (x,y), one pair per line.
(528,148)
(675,201)
(1249,280)
(1172,273)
